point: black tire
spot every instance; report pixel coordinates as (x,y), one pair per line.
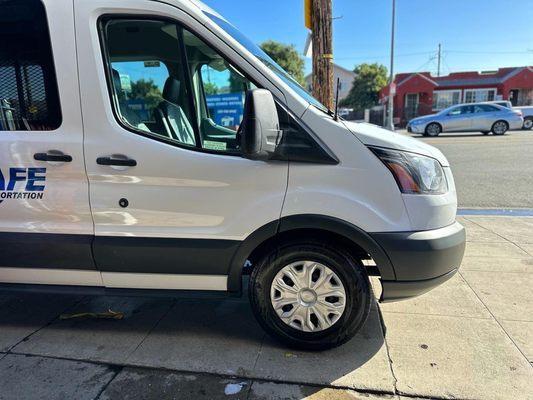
(351,272)
(433,129)
(528,123)
(500,127)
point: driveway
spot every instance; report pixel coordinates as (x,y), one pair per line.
(469,339)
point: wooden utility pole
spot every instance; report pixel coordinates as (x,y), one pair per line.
(392,86)
(321,33)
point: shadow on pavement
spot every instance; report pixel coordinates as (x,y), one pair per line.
(203,335)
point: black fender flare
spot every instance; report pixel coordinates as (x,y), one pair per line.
(307,221)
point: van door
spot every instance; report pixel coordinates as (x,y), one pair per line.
(46,226)
(171,195)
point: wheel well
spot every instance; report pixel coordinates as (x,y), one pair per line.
(501,120)
(331,230)
(323,236)
(434,122)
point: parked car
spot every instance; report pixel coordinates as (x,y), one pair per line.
(101,192)
(527,112)
(470,117)
(503,103)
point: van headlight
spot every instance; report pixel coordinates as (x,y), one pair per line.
(414,173)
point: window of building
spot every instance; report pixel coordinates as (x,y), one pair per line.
(521,97)
(445,98)
(169,84)
(29,98)
(479,95)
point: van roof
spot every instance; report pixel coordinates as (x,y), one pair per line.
(196,3)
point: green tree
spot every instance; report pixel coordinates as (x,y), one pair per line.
(369,80)
(287,57)
(146,90)
(210,88)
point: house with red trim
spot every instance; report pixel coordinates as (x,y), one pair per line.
(420,93)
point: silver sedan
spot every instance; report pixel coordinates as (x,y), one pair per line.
(479,117)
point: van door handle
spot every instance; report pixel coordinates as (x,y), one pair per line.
(116,162)
(52,157)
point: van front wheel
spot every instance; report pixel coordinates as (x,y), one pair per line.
(310,295)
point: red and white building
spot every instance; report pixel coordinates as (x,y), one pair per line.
(421,93)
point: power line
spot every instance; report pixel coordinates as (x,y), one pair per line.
(421,53)
(425,64)
(446,63)
(486,52)
(385,56)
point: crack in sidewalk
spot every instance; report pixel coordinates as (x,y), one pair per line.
(384,332)
(119,367)
(499,235)
(46,325)
(482,302)
(173,303)
(496,319)
(116,371)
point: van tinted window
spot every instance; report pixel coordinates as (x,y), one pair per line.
(150,90)
(29,99)
(169,84)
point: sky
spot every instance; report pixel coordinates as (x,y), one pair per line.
(475,35)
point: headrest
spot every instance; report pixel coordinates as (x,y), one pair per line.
(171,91)
(116,80)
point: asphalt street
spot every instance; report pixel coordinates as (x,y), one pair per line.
(490,171)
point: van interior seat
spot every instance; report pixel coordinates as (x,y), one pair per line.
(127,113)
(172,116)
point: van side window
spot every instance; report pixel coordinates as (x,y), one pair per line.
(29,98)
(149,86)
(169,84)
(220,90)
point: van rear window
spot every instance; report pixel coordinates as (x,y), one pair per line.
(29,99)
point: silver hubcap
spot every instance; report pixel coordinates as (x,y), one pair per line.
(433,129)
(500,127)
(308,296)
(528,124)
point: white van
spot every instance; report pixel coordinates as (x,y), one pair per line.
(149,145)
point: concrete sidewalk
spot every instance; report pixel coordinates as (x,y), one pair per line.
(469,339)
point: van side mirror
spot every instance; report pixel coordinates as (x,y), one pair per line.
(260,132)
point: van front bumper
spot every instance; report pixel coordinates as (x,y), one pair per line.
(421,260)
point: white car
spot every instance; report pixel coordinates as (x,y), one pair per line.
(471,117)
(114,173)
(527,112)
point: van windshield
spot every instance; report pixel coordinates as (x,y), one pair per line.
(265,59)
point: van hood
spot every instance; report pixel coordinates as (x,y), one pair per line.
(372,135)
